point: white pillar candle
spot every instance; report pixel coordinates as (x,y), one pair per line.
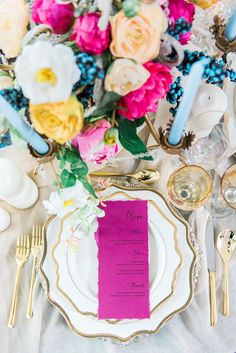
(16,188)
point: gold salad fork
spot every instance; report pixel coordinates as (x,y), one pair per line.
(36,244)
(22,255)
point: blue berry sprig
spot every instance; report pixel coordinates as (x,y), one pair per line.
(214,73)
(16,98)
(5,140)
(175,92)
(180,27)
(89,70)
(232,75)
(190,57)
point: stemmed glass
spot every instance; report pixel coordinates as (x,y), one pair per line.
(228,186)
(189,187)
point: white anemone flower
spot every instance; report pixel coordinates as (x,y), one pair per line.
(46,73)
(66,200)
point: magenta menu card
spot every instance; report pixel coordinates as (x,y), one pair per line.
(123,274)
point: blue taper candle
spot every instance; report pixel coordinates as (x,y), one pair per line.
(186,104)
(31,136)
(230,29)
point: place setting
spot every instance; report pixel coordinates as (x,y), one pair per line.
(118,169)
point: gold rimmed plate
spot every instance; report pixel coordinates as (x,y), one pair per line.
(90,326)
(76,274)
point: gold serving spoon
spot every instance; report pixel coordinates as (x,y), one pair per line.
(146,176)
(226,243)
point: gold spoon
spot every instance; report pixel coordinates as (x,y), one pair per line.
(146,176)
(226,243)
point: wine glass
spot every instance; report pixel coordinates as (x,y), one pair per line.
(208,151)
(189,187)
(228,186)
(217,205)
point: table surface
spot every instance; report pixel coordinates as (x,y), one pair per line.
(47,331)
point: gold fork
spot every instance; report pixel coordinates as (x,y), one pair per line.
(36,244)
(22,255)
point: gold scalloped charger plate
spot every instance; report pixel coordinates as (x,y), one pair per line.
(77,273)
(90,326)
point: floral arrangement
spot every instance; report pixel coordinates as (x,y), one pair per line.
(84,74)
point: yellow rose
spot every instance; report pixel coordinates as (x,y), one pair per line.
(14,20)
(125,76)
(204,4)
(138,37)
(60,121)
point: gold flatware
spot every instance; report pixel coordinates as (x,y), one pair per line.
(226,244)
(36,245)
(22,255)
(145,176)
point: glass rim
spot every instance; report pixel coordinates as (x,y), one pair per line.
(203,200)
(226,173)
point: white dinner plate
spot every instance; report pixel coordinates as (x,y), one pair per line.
(77,274)
(89,325)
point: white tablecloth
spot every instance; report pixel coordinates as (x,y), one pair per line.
(47,332)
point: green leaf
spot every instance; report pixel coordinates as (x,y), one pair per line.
(106,58)
(67,179)
(140,121)
(79,168)
(93,119)
(129,139)
(71,156)
(108,103)
(4,73)
(62,164)
(61,154)
(88,187)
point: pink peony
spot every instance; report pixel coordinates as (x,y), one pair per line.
(60,17)
(181,8)
(88,36)
(138,103)
(91,143)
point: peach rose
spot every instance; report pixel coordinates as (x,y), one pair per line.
(14,20)
(125,76)
(60,121)
(138,37)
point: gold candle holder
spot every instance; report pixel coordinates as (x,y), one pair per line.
(185,142)
(161,138)
(222,43)
(49,156)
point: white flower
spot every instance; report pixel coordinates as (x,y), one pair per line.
(66,200)
(88,218)
(46,73)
